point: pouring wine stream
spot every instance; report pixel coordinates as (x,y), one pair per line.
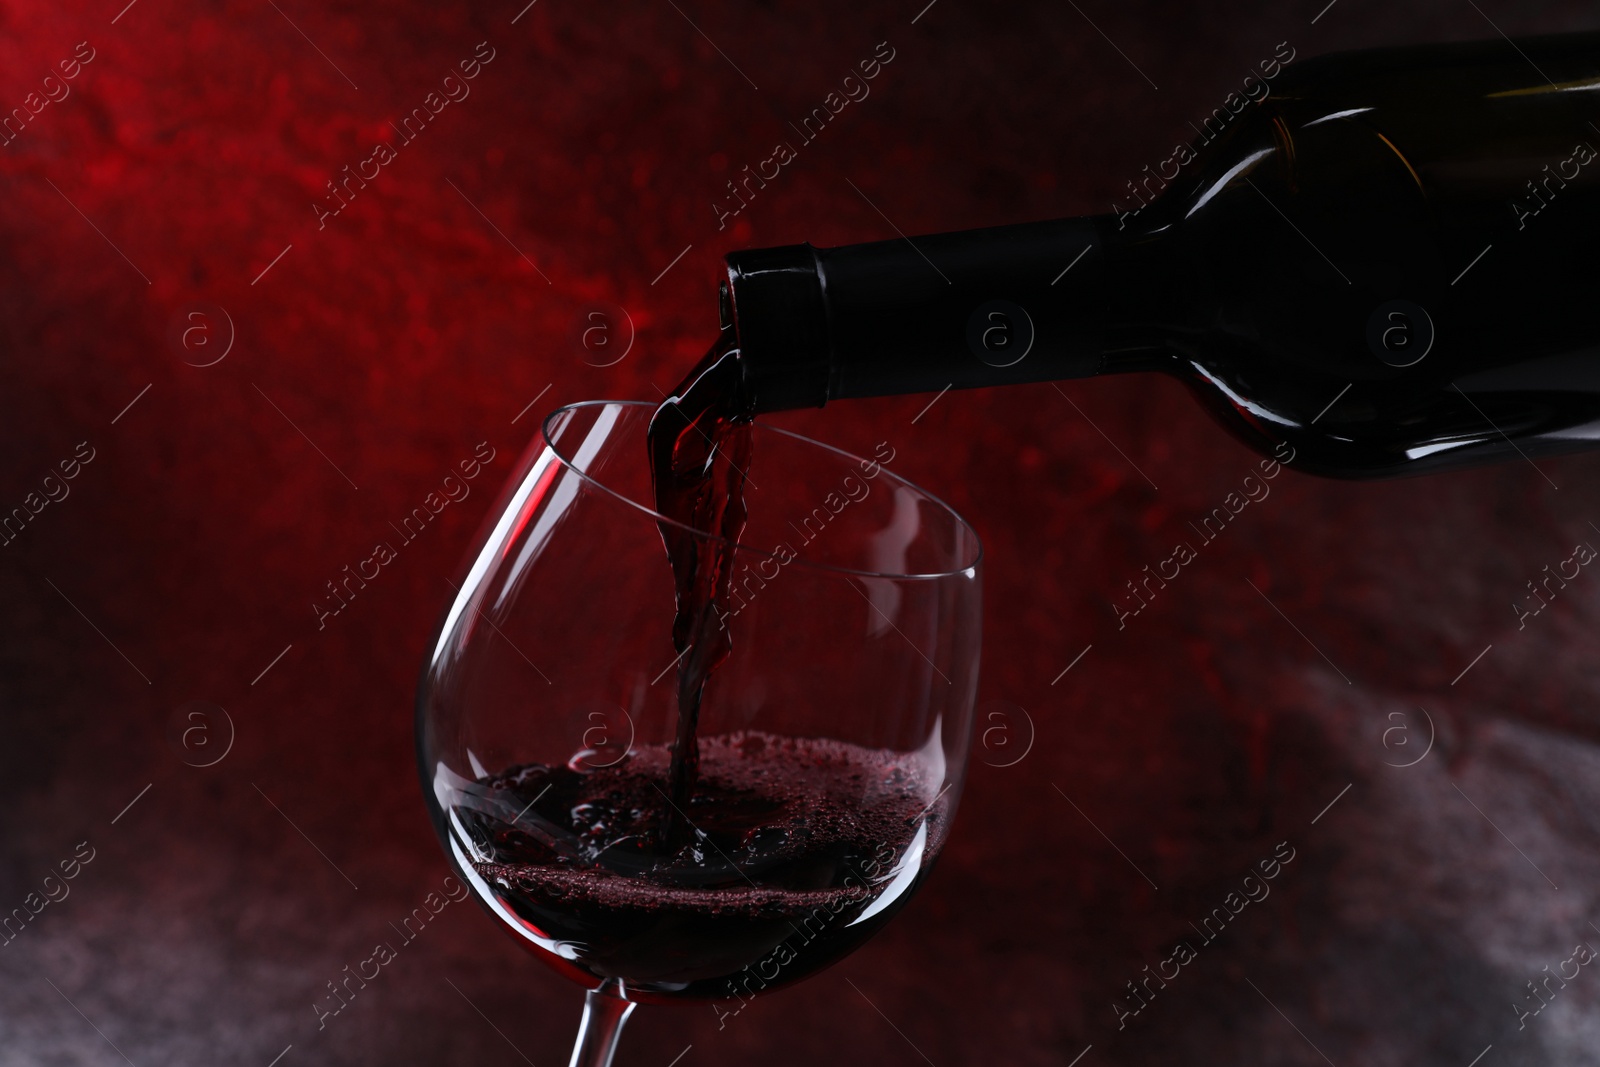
(699,444)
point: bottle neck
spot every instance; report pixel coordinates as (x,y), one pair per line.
(1005,305)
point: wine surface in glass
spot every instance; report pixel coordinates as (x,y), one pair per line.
(801,849)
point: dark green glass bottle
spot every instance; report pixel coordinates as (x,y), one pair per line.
(1387,262)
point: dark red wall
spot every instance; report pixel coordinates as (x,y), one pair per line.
(397,335)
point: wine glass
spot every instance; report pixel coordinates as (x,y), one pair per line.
(832,741)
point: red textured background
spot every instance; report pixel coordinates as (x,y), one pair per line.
(408,330)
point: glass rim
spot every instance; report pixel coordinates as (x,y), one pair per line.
(744,547)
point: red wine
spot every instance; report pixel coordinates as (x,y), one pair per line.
(699,443)
(801,849)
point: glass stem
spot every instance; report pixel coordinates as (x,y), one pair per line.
(604,1013)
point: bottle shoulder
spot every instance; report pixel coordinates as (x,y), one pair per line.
(1469,124)
(1366,262)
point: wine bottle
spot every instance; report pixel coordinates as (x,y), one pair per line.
(1389,263)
